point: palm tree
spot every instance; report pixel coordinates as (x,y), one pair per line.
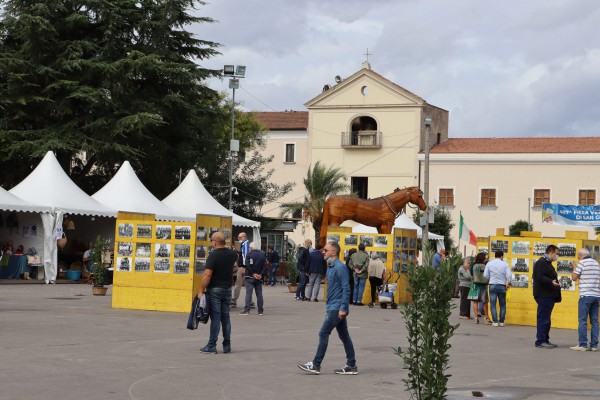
(320,183)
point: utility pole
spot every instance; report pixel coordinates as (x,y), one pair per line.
(425,236)
(235,73)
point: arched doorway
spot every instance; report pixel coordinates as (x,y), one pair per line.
(361,125)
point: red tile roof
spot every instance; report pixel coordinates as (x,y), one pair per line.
(284,120)
(519,145)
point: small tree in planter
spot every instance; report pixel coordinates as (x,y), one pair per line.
(99,269)
(292,271)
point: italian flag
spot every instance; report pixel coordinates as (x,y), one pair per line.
(466,234)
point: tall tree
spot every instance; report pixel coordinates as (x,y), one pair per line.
(320,184)
(100,82)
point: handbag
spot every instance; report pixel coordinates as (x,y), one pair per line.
(473,292)
(385,296)
(478,276)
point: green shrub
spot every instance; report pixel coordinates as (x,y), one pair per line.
(292,269)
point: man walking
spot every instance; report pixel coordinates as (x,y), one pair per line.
(241,272)
(216,280)
(587,272)
(360,264)
(316,269)
(273,258)
(546,292)
(337,308)
(256,267)
(500,279)
(302,261)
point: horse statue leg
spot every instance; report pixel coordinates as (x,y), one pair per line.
(385,228)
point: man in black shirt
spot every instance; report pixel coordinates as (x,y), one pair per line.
(217,282)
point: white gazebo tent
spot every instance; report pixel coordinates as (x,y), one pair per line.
(191,198)
(51,187)
(125,192)
(10,202)
(403,222)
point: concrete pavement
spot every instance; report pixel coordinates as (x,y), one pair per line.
(60,342)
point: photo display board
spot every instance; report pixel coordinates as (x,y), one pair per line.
(159,264)
(521,254)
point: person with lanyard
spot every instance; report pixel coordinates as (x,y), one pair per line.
(500,278)
(241,272)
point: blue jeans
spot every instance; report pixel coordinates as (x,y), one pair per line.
(301,286)
(588,306)
(220,300)
(359,288)
(313,279)
(498,292)
(273,275)
(544,319)
(255,284)
(332,320)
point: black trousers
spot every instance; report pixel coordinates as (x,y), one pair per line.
(465,303)
(375,283)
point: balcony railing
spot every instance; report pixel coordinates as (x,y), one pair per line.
(361,140)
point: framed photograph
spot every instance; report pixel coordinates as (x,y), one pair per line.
(124,264)
(482,249)
(201,233)
(520,281)
(183,232)
(500,245)
(539,248)
(405,242)
(520,265)
(397,255)
(162,265)
(126,230)
(212,230)
(162,250)
(520,247)
(367,240)
(381,241)
(181,267)
(124,249)
(396,267)
(200,267)
(566,283)
(333,237)
(182,251)
(567,250)
(144,231)
(142,265)
(351,240)
(163,232)
(397,241)
(405,267)
(563,267)
(412,243)
(201,252)
(227,234)
(382,255)
(143,249)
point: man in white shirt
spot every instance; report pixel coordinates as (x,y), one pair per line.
(587,272)
(500,279)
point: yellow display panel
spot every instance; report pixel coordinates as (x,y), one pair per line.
(521,253)
(158,259)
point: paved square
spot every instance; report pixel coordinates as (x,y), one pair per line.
(60,342)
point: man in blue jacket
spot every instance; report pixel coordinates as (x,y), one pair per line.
(302,261)
(337,309)
(256,268)
(316,268)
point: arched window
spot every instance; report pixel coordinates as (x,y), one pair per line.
(360,125)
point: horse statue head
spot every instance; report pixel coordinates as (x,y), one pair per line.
(416,197)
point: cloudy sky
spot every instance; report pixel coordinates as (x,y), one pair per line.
(502,68)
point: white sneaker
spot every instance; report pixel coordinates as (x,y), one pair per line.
(501,324)
(495,324)
(593,349)
(579,348)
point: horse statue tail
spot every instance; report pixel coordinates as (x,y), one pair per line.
(324,224)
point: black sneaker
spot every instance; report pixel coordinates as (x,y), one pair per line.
(226,348)
(233,304)
(208,350)
(245,312)
(310,367)
(347,370)
(316,301)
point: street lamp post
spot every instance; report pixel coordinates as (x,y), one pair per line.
(425,235)
(235,73)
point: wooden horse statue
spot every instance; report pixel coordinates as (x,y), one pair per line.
(380,212)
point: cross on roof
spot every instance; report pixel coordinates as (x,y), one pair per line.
(367,54)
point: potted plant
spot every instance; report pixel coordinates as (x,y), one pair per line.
(99,268)
(292,272)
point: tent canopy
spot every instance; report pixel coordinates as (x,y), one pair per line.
(10,202)
(125,192)
(191,198)
(402,222)
(51,187)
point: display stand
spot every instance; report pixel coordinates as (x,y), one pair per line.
(159,264)
(521,253)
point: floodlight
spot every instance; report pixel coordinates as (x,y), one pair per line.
(228,70)
(240,70)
